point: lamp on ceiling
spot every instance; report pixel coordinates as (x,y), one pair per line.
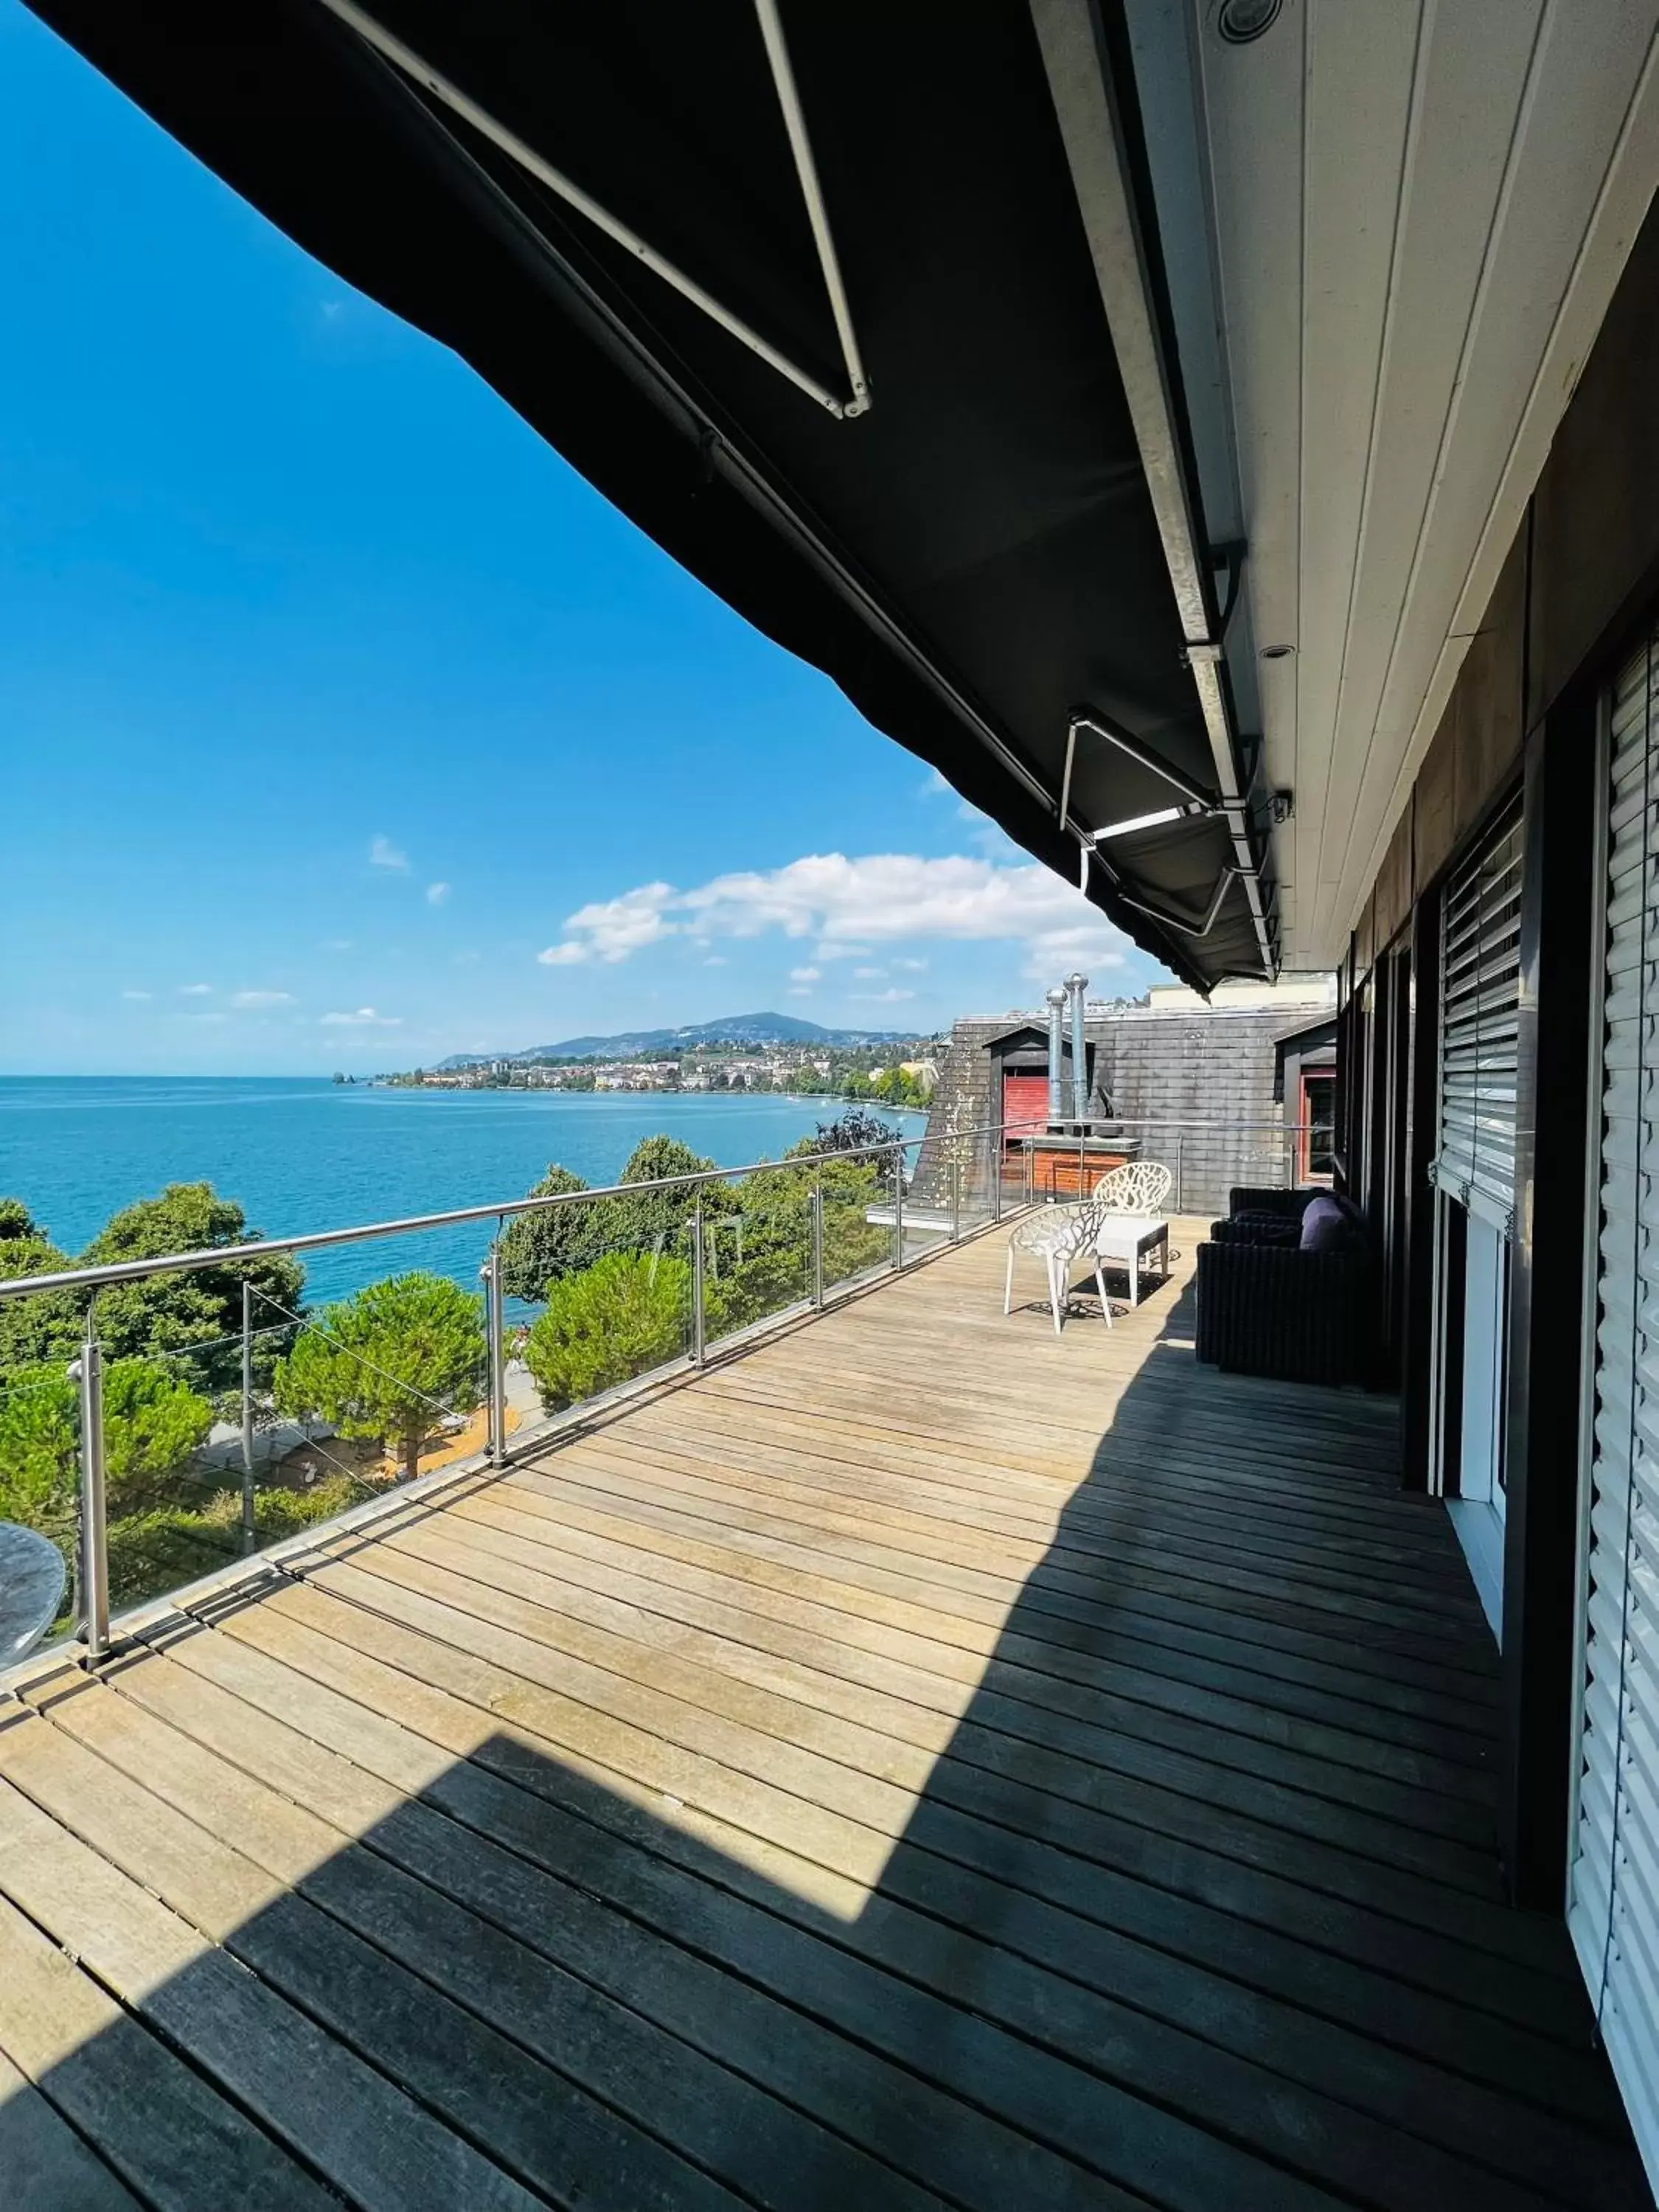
(1238,22)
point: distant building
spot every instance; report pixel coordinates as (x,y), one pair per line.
(1199,1084)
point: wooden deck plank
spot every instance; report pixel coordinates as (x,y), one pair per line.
(1435,1881)
(1345,1735)
(1177,1898)
(1042,2007)
(47,2166)
(1327,1763)
(921,1760)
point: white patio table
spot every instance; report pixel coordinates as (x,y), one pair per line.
(1130,1239)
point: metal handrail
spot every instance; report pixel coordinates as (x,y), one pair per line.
(220,1256)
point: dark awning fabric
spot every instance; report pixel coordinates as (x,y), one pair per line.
(970,561)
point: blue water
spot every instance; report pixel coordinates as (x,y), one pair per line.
(299,1154)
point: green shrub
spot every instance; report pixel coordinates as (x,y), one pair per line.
(626,1314)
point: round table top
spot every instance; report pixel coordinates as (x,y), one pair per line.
(31,1588)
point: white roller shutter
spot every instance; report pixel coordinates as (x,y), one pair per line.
(1480,992)
(1612,1902)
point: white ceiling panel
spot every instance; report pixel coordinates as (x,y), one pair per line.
(1418,213)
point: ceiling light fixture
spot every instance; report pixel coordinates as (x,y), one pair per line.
(1240,22)
(1143,822)
(1277,652)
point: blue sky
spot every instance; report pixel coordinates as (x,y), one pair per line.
(343,725)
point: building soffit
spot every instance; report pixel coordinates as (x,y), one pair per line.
(1391,235)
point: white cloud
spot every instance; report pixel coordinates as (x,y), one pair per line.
(851,907)
(804,974)
(717,960)
(436,894)
(262,998)
(888,998)
(933,785)
(610,929)
(383,854)
(911,967)
(196,990)
(869,974)
(364,1019)
(138,994)
(800,991)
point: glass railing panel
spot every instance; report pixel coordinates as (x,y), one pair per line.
(601,1291)
(857,1208)
(757,1248)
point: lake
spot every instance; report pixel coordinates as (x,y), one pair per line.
(299,1154)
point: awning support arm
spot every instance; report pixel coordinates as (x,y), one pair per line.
(1228,876)
(450,95)
(1081,87)
(795,122)
(1142,757)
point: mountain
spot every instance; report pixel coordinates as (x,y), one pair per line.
(664,1044)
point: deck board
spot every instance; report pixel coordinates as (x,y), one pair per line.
(921,1760)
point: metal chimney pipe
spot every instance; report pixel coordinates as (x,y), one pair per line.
(1056,1050)
(1076,985)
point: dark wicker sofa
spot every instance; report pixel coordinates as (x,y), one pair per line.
(1265,1307)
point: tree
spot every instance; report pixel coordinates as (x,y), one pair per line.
(389,1364)
(857,1130)
(16,1223)
(623,1315)
(542,1248)
(153,1421)
(51,1324)
(164,1313)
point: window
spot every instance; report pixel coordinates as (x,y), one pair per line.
(1317,1116)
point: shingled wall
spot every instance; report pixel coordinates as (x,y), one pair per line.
(1159,1068)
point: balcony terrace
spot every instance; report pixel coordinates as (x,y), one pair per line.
(914,1760)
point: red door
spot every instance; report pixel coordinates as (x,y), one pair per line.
(1024,1103)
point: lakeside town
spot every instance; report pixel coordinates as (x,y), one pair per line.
(902,1072)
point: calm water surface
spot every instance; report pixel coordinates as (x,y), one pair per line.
(301,1154)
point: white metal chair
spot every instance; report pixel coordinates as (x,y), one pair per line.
(1132,1199)
(1138,1187)
(1056,1234)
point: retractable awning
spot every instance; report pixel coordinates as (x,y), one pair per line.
(852,309)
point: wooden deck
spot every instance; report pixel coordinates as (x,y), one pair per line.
(920,1761)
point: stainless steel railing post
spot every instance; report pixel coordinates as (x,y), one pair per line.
(495,1339)
(956,1201)
(898,1206)
(88,1371)
(1181,1180)
(994,1154)
(250,1535)
(817,1245)
(697,1314)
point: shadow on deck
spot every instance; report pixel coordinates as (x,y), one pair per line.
(921,1761)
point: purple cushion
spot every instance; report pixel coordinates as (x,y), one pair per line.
(1328,1225)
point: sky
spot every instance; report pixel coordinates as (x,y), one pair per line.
(343,725)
